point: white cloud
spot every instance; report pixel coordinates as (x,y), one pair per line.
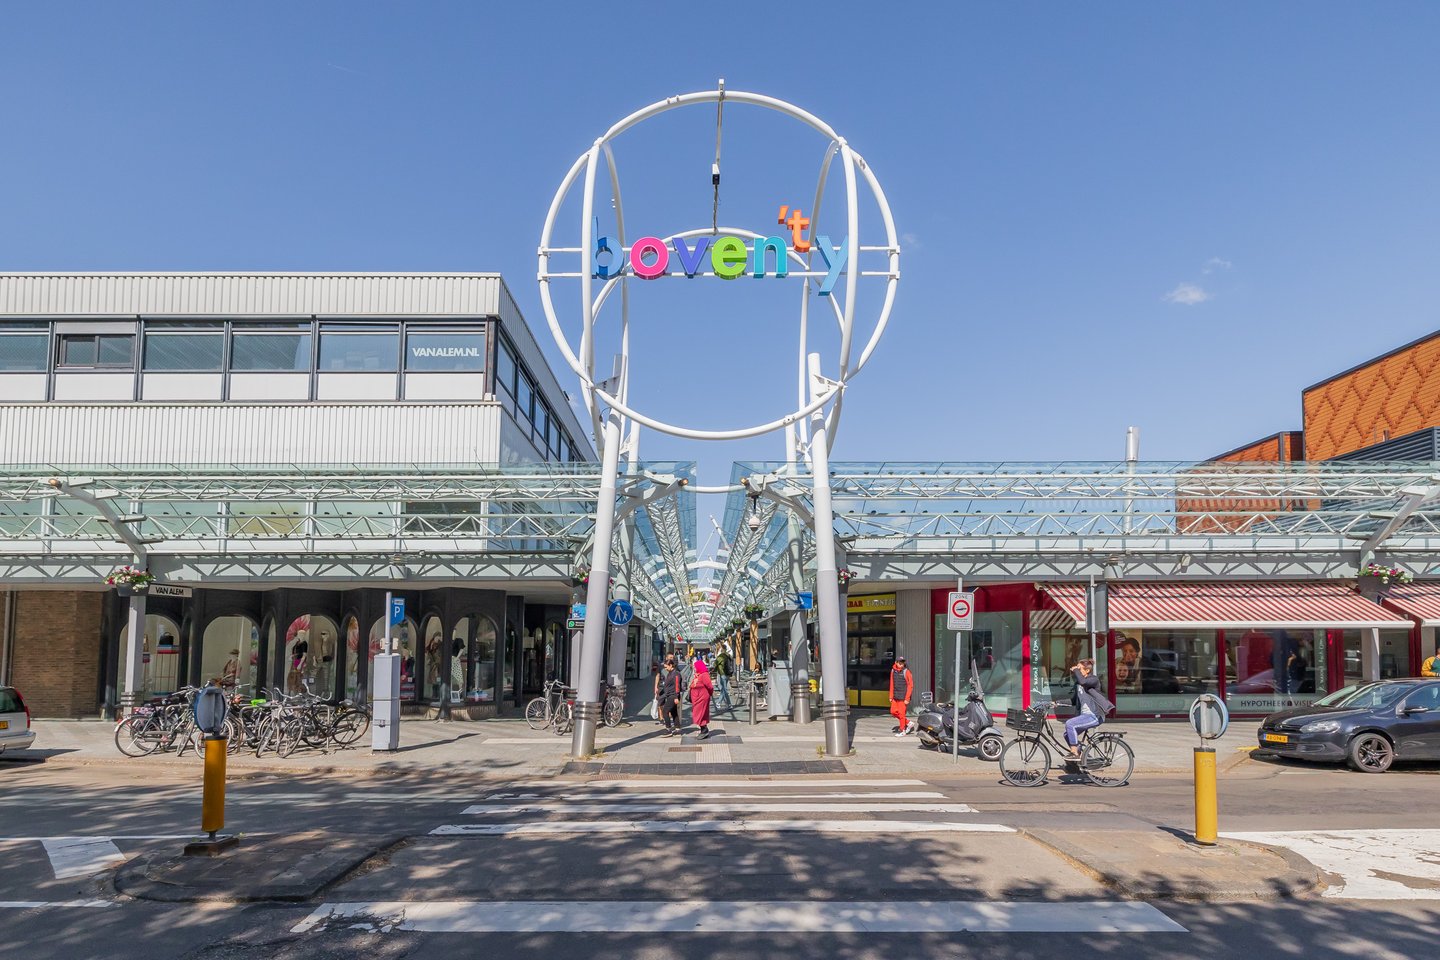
(909,241)
(1216,263)
(1188,294)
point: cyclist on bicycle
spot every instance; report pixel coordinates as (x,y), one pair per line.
(1091,705)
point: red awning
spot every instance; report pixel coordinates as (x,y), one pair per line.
(1265,604)
(1419,600)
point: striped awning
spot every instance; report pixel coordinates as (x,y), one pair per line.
(1055,619)
(1272,605)
(1419,600)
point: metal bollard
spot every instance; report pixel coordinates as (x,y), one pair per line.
(1207,813)
(754,699)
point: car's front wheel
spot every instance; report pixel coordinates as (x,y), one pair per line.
(1370,753)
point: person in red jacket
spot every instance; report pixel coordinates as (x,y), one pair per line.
(902,685)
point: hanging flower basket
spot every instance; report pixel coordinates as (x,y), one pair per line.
(754,611)
(130,580)
(844,575)
(581,578)
(737,623)
(1383,575)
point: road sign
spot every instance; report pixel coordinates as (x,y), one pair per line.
(575,624)
(805,601)
(620,612)
(1209,716)
(961,614)
(397,611)
(577,611)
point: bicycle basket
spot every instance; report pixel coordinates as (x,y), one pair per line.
(1026,721)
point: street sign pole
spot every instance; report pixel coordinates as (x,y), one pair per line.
(385,697)
(955,708)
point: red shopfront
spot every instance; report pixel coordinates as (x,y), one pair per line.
(1261,646)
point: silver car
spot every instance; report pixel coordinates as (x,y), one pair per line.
(15,732)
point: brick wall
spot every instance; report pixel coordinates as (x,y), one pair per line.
(57,651)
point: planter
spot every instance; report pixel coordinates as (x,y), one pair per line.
(1373,588)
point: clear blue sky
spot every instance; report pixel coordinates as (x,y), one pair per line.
(1174,215)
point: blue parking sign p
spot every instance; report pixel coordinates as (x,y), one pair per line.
(397,611)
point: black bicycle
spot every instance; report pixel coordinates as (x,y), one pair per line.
(1106,760)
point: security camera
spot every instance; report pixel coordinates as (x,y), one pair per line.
(754,521)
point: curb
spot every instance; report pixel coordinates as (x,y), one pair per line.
(1304,878)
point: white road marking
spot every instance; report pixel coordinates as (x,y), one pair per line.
(718,826)
(595,795)
(1373,864)
(680,783)
(81,856)
(148,836)
(725,918)
(690,809)
(36,904)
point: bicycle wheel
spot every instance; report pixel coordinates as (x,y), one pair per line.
(1025,762)
(614,712)
(350,726)
(1107,760)
(289,732)
(234,732)
(564,717)
(535,714)
(137,735)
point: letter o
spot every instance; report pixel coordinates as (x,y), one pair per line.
(637,258)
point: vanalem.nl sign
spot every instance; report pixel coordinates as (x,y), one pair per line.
(728,257)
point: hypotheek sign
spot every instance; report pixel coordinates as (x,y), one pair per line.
(728,256)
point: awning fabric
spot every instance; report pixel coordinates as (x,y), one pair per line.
(1420,600)
(1264,604)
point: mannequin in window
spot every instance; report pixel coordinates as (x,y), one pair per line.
(230,673)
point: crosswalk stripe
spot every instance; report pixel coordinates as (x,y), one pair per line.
(680,795)
(680,783)
(1378,864)
(718,826)
(36,904)
(81,856)
(731,917)
(689,809)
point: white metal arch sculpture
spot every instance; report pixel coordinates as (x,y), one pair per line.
(819,386)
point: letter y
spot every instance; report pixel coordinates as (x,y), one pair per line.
(834,260)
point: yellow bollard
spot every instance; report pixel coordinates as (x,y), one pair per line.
(212,804)
(1206,802)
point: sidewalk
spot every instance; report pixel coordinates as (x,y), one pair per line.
(508,747)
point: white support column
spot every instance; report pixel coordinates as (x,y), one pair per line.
(1370,654)
(592,644)
(134,689)
(835,705)
(799,646)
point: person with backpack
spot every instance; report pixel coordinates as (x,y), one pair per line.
(1090,704)
(669,686)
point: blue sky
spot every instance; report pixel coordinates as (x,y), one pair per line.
(1174,215)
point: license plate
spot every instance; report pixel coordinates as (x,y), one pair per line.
(4,724)
(1276,738)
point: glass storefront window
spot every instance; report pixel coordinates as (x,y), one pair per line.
(1164,670)
(1268,670)
(442,352)
(230,652)
(277,352)
(1053,651)
(160,651)
(310,646)
(184,351)
(357,352)
(403,635)
(996,645)
(482,683)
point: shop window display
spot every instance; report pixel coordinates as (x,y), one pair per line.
(1267,670)
(1164,670)
(404,634)
(160,654)
(310,651)
(230,652)
(1054,649)
(482,672)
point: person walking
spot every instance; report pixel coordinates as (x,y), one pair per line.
(721,676)
(701,689)
(668,688)
(902,685)
(1091,704)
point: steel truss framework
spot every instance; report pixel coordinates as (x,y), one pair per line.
(1049,521)
(425,523)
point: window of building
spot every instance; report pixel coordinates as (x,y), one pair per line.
(97,350)
(1267,670)
(1164,670)
(524,398)
(542,427)
(505,369)
(184,350)
(359,350)
(462,351)
(24,347)
(269,350)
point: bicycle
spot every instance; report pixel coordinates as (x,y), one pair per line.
(614,711)
(1106,759)
(542,711)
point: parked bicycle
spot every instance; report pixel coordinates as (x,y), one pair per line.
(546,709)
(1106,760)
(159,725)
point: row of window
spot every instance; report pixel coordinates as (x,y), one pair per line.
(517,391)
(202,348)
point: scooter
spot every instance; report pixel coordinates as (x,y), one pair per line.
(935,723)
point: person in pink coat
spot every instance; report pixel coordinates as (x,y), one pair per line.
(701,688)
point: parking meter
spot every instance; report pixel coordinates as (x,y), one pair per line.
(210,708)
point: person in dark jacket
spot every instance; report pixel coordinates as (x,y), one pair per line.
(1090,704)
(902,684)
(669,685)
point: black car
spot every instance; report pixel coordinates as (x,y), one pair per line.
(1368,725)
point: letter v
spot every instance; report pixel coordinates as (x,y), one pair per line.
(833,260)
(690,259)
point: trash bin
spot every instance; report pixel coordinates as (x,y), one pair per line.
(779,694)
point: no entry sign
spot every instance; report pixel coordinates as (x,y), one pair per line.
(961,615)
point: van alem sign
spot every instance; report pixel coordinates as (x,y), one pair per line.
(445,351)
(727,256)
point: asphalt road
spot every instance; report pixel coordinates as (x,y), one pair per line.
(788,890)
